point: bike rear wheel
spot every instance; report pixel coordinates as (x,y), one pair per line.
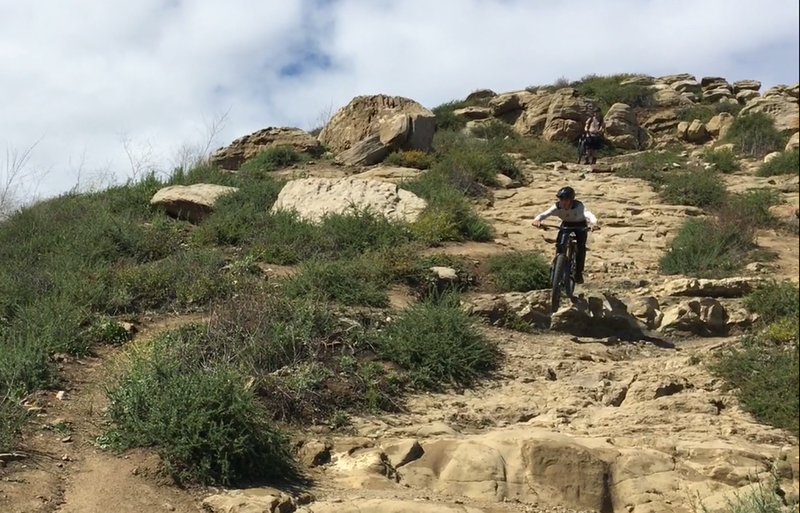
(558,276)
(569,273)
(581,149)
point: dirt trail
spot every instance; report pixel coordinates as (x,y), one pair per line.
(66,471)
(638,401)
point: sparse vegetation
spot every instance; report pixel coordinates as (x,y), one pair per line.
(755,135)
(723,159)
(764,370)
(411,158)
(519,271)
(723,243)
(608,90)
(704,112)
(786,163)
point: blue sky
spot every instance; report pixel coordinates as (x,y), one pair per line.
(83,76)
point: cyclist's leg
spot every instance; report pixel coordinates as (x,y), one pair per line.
(580,255)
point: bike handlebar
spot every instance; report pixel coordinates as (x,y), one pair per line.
(578,228)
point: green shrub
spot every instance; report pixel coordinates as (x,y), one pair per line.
(204,421)
(353,282)
(608,90)
(708,248)
(519,271)
(410,158)
(12,418)
(446,118)
(765,378)
(449,215)
(787,163)
(764,370)
(272,159)
(473,160)
(694,187)
(761,498)
(774,301)
(438,344)
(751,208)
(704,112)
(755,135)
(723,159)
(652,166)
(185,280)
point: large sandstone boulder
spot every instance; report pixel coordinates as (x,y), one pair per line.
(718,125)
(662,121)
(190,202)
(244,148)
(622,128)
(371,126)
(783,109)
(313,198)
(566,114)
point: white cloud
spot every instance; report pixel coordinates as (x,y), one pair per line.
(78,74)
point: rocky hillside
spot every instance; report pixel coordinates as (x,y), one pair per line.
(358,319)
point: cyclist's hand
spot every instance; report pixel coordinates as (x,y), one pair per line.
(594,228)
(537,224)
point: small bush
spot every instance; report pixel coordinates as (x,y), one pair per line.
(272,159)
(764,370)
(755,135)
(12,418)
(775,301)
(723,159)
(704,112)
(762,498)
(472,160)
(693,187)
(438,344)
(519,271)
(353,282)
(204,421)
(707,248)
(411,158)
(446,118)
(449,216)
(750,208)
(765,378)
(787,163)
(608,90)
(652,166)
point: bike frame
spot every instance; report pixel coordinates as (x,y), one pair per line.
(565,279)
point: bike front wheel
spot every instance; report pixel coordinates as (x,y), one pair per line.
(558,276)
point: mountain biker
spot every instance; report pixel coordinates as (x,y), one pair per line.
(594,128)
(573,214)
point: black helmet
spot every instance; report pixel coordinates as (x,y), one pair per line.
(566,193)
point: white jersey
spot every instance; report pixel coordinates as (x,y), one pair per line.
(576,214)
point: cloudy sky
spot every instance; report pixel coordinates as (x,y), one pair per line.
(84,79)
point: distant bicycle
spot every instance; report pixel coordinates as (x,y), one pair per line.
(582,140)
(562,275)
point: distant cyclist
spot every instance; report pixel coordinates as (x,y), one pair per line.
(573,214)
(593,129)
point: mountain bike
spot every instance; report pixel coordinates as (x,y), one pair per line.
(562,273)
(582,146)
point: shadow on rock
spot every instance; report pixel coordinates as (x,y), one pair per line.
(603,317)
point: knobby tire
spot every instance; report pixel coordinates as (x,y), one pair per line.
(558,274)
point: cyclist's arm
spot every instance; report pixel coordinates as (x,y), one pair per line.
(544,215)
